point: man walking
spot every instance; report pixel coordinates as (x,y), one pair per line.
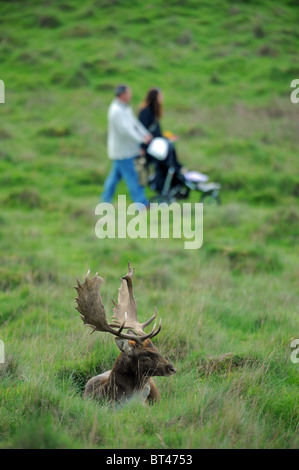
(125,134)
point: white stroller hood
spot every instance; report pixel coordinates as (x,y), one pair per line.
(158,148)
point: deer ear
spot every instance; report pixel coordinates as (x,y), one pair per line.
(124,345)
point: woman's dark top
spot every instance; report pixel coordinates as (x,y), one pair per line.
(147,118)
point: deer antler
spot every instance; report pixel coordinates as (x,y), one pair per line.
(92,311)
(127,305)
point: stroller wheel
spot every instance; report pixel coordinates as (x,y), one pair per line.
(209,193)
(210,198)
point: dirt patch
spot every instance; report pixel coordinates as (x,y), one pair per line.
(223,364)
(251,260)
(48,21)
(27,198)
(55,132)
(9,368)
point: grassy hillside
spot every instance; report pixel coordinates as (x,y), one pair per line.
(230,309)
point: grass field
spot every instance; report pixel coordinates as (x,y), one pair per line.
(230,309)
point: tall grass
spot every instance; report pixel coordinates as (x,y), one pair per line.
(230,309)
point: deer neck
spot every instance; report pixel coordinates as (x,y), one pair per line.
(126,376)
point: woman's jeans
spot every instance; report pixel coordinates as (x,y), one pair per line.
(124,169)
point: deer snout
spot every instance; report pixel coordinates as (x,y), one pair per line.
(170,369)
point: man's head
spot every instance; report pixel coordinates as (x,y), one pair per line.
(124,93)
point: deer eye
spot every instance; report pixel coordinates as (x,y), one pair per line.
(148,356)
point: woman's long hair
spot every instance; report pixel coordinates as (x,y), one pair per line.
(151,100)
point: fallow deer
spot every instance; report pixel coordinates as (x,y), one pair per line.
(139,361)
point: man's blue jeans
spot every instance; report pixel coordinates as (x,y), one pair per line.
(124,169)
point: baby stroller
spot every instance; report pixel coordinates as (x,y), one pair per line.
(168,180)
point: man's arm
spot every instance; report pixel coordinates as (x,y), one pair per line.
(146,135)
(127,124)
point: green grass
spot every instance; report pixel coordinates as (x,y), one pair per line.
(230,309)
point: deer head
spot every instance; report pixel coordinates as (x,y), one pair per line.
(143,359)
(140,359)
